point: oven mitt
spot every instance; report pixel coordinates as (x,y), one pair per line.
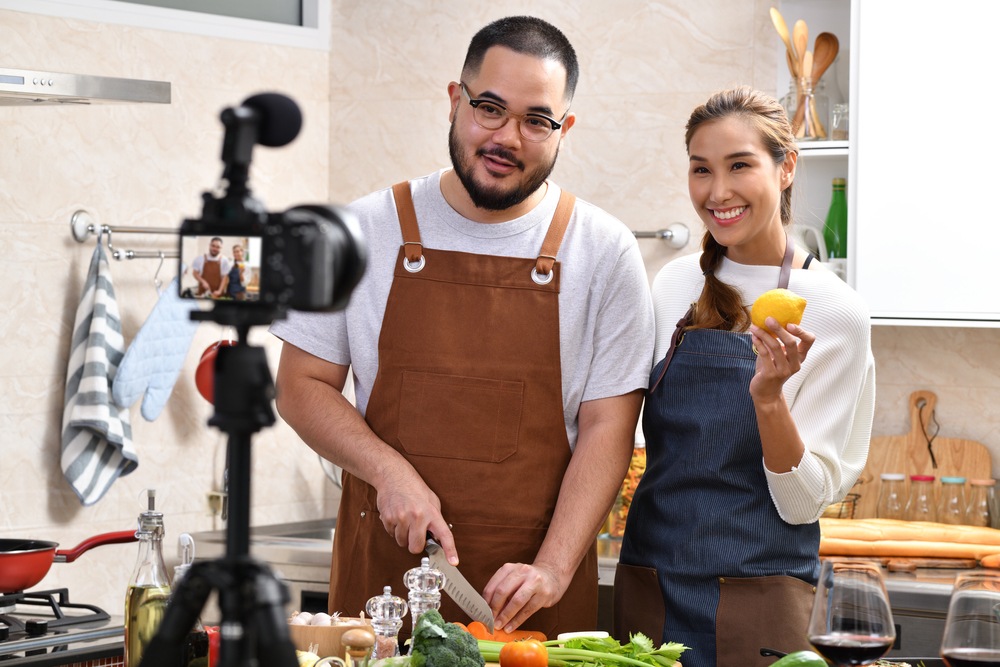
(154,359)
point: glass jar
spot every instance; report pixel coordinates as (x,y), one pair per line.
(952,508)
(840,121)
(619,511)
(806,106)
(891,497)
(979,511)
(921,506)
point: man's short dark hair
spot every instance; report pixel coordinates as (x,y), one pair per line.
(530,36)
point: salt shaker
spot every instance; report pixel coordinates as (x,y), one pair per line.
(386,612)
(425,584)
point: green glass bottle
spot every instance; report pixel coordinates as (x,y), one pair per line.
(835,230)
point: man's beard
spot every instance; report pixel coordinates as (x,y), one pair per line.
(491,199)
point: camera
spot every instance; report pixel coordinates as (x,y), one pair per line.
(238,255)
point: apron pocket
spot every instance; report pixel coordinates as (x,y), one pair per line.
(457,417)
(761,612)
(638,602)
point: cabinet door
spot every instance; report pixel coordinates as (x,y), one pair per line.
(925,228)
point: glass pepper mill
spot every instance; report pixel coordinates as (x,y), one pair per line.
(386,612)
(425,584)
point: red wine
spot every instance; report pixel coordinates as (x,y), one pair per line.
(972,657)
(851,649)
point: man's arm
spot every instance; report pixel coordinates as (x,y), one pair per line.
(592,480)
(310,399)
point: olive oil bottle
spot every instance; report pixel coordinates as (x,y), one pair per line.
(149,588)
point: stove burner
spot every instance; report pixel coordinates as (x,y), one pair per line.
(57,604)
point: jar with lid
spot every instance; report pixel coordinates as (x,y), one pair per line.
(921,506)
(891,496)
(952,507)
(979,512)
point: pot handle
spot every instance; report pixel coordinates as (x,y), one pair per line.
(70,555)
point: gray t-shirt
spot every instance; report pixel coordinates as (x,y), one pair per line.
(605,312)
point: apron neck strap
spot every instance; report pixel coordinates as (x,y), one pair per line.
(554,237)
(786,263)
(407,222)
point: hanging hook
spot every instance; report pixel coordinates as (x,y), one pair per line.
(156,276)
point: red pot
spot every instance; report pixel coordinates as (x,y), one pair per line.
(204,374)
(23,563)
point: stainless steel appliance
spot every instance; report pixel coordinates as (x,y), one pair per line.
(25,87)
(45,628)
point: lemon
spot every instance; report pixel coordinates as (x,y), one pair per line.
(781,304)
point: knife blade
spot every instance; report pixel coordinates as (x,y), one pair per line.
(458,587)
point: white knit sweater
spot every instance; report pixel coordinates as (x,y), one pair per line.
(831,398)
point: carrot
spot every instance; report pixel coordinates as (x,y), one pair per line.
(479,631)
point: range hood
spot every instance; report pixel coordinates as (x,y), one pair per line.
(20,87)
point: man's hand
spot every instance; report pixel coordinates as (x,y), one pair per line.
(409,510)
(517,591)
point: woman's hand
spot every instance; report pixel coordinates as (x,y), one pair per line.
(779,356)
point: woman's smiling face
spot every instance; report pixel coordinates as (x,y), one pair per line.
(735,187)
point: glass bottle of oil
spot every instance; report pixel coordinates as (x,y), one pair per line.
(149,588)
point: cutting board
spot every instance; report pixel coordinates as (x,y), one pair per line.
(910,454)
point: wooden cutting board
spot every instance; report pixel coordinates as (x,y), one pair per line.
(910,454)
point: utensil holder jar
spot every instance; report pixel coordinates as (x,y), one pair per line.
(806,105)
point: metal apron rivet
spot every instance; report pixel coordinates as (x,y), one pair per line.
(414,268)
(541,279)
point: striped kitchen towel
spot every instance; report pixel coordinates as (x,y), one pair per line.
(97,435)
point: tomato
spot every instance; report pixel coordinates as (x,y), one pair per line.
(524,653)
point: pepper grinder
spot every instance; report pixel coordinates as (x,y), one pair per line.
(386,612)
(425,584)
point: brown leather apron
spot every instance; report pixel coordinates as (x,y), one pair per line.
(211,271)
(469,390)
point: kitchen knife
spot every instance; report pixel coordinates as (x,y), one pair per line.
(458,587)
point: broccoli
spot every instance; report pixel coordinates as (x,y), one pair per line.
(439,644)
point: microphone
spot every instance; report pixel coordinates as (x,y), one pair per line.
(279,118)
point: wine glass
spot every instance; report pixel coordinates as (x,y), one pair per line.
(972,629)
(851,623)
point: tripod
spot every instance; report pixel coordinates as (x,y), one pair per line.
(252,600)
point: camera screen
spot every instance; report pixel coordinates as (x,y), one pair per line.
(220,267)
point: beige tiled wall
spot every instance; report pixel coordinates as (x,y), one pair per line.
(376,112)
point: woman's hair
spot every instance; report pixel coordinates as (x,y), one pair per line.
(721,306)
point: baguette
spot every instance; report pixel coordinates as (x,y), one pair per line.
(836,546)
(878,530)
(992,560)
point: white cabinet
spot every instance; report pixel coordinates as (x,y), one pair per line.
(919,161)
(925,151)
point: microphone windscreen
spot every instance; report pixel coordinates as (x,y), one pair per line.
(280,118)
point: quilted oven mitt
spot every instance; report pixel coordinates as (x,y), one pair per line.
(154,359)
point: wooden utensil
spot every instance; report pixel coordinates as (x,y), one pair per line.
(910,454)
(798,123)
(825,52)
(779,24)
(800,39)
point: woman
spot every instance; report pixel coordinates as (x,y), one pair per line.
(750,434)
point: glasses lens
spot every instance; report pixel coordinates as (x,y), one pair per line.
(490,116)
(536,128)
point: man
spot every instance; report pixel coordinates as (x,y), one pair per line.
(211,270)
(500,342)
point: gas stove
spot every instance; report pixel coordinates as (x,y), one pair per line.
(45,628)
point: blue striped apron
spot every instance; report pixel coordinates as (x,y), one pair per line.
(732,575)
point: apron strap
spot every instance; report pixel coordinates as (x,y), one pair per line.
(783,275)
(554,237)
(786,263)
(412,246)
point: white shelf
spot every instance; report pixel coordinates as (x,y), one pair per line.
(824,148)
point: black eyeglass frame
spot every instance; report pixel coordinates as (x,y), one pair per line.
(475,102)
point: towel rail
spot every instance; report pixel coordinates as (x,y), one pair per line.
(676,235)
(82,228)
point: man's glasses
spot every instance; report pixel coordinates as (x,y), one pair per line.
(491,115)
